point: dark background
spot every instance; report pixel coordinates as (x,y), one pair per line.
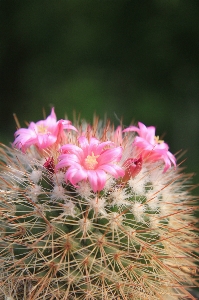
(138,60)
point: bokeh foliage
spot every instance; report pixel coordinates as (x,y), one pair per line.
(131,59)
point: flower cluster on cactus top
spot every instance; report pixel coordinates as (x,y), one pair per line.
(86,157)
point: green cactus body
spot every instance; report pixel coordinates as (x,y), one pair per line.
(132,239)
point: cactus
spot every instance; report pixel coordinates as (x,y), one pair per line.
(93,212)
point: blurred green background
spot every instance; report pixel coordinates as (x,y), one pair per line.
(136,60)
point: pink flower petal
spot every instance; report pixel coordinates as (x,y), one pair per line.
(114,170)
(67,125)
(110,155)
(97,179)
(75,175)
(65,160)
(101,146)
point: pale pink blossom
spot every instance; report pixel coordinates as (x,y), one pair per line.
(91,161)
(42,134)
(152,149)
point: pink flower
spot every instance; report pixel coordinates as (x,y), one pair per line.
(42,134)
(90,161)
(151,147)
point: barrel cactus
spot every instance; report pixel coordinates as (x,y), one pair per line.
(89,211)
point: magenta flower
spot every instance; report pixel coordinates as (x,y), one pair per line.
(92,160)
(151,147)
(42,134)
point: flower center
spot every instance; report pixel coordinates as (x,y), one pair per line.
(42,129)
(157,141)
(91,161)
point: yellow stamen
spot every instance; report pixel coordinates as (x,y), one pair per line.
(91,161)
(157,141)
(42,129)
